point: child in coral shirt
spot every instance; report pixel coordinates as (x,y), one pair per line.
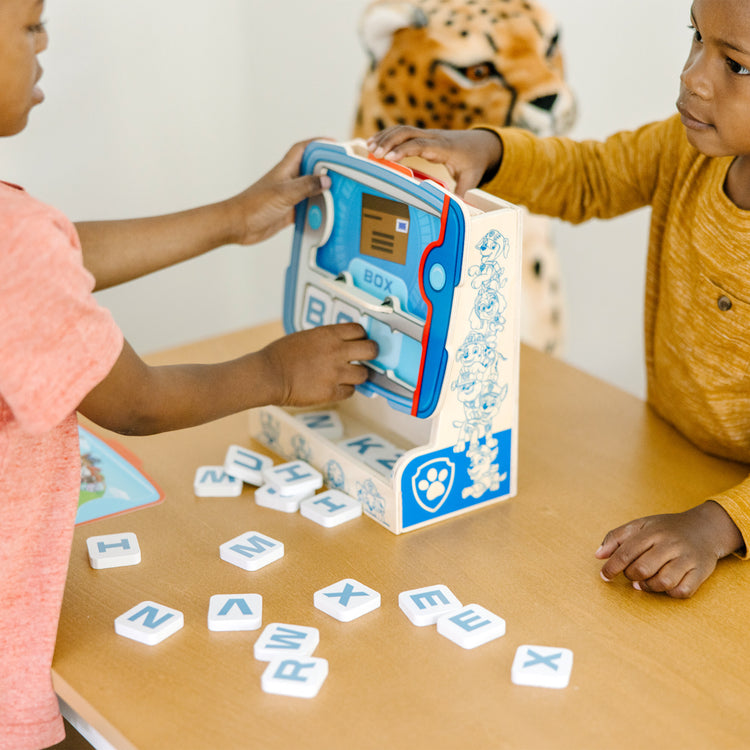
(60,352)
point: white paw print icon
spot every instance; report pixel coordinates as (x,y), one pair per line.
(433,484)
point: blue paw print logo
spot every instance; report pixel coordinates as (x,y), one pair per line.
(432,483)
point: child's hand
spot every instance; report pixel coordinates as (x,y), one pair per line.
(315,366)
(301,369)
(467,154)
(268,205)
(672,553)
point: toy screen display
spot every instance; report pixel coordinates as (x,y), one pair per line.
(378,242)
(385,228)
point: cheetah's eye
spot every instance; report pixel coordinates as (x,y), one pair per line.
(478,73)
(554,43)
(472,74)
(469,75)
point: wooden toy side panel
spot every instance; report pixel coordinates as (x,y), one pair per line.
(471,457)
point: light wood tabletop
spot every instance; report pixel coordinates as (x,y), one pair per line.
(648,672)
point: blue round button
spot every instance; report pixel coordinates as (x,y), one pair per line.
(315,217)
(437,277)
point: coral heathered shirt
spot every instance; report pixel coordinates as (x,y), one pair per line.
(56,344)
(697,308)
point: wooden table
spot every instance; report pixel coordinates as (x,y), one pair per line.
(649,672)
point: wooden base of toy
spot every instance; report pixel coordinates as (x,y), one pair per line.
(282,430)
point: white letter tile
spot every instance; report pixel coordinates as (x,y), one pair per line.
(424,606)
(542,666)
(294,478)
(213,481)
(235,612)
(149,623)
(346,600)
(113,550)
(246,465)
(331,508)
(251,551)
(269,496)
(279,641)
(471,626)
(300,678)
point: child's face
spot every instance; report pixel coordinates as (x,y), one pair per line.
(22,38)
(714,96)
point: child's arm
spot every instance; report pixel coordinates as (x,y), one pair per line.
(672,553)
(308,367)
(118,251)
(468,155)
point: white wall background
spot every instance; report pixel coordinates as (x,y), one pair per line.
(159,105)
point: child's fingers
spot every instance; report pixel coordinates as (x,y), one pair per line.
(405,141)
(299,188)
(688,585)
(657,569)
(354,375)
(291,161)
(616,537)
(665,578)
(350,331)
(606,548)
(381,143)
(342,391)
(676,579)
(467,180)
(289,165)
(358,346)
(349,376)
(628,548)
(362,350)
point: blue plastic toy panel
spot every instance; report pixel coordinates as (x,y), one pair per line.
(385,249)
(381,272)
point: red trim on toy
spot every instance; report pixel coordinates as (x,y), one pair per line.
(428,178)
(395,166)
(428,319)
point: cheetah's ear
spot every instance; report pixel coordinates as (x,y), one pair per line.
(382,19)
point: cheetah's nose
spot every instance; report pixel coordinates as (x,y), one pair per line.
(545,102)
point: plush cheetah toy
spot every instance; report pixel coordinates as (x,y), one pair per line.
(456,63)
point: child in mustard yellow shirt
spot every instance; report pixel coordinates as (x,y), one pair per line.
(694,171)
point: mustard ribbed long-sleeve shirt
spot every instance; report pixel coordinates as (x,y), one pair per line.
(697,301)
